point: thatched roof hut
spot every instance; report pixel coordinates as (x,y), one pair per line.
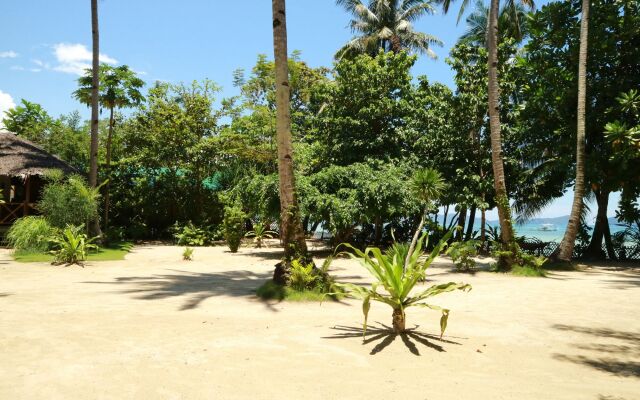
(21,158)
(22,166)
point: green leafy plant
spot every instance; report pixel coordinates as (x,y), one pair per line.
(233,227)
(398,279)
(462,254)
(187,254)
(302,276)
(30,234)
(524,264)
(190,235)
(71,246)
(259,233)
(68,201)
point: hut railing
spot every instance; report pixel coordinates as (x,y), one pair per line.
(9,212)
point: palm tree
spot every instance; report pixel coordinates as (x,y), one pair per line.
(291,232)
(500,186)
(119,88)
(95,84)
(565,250)
(512,20)
(387,25)
(427,185)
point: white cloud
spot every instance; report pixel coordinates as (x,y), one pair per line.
(6,103)
(8,54)
(75,58)
(17,68)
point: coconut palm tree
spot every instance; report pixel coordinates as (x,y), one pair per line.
(512,21)
(565,250)
(95,84)
(291,231)
(119,88)
(500,185)
(387,25)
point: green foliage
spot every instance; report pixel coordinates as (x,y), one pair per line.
(71,245)
(187,254)
(192,235)
(28,120)
(233,223)
(427,184)
(302,277)
(398,281)
(259,233)
(462,254)
(366,110)
(307,283)
(523,264)
(119,87)
(68,201)
(30,234)
(272,291)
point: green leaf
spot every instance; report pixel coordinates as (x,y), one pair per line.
(366,306)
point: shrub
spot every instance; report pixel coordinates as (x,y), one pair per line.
(398,280)
(524,264)
(30,234)
(233,227)
(259,233)
(462,254)
(302,276)
(191,235)
(306,283)
(71,246)
(68,201)
(187,254)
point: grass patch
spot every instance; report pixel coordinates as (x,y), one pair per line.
(525,270)
(114,252)
(272,291)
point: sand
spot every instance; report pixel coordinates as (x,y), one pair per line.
(156,327)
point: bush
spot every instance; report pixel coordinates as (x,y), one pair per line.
(191,235)
(462,252)
(302,276)
(306,283)
(71,246)
(68,202)
(30,234)
(233,227)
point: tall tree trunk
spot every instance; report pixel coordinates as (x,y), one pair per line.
(502,200)
(483,229)
(594,250)
(291,230)
(95,84)
(444,220)
(462,220)
(472,221)
(565,250)
(108,168)
(378,230)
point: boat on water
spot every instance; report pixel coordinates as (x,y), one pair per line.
(548,227)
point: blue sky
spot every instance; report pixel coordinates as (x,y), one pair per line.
(44,44)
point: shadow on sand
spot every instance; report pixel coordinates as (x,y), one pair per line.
(620,359)
(384,335)
(195,286)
